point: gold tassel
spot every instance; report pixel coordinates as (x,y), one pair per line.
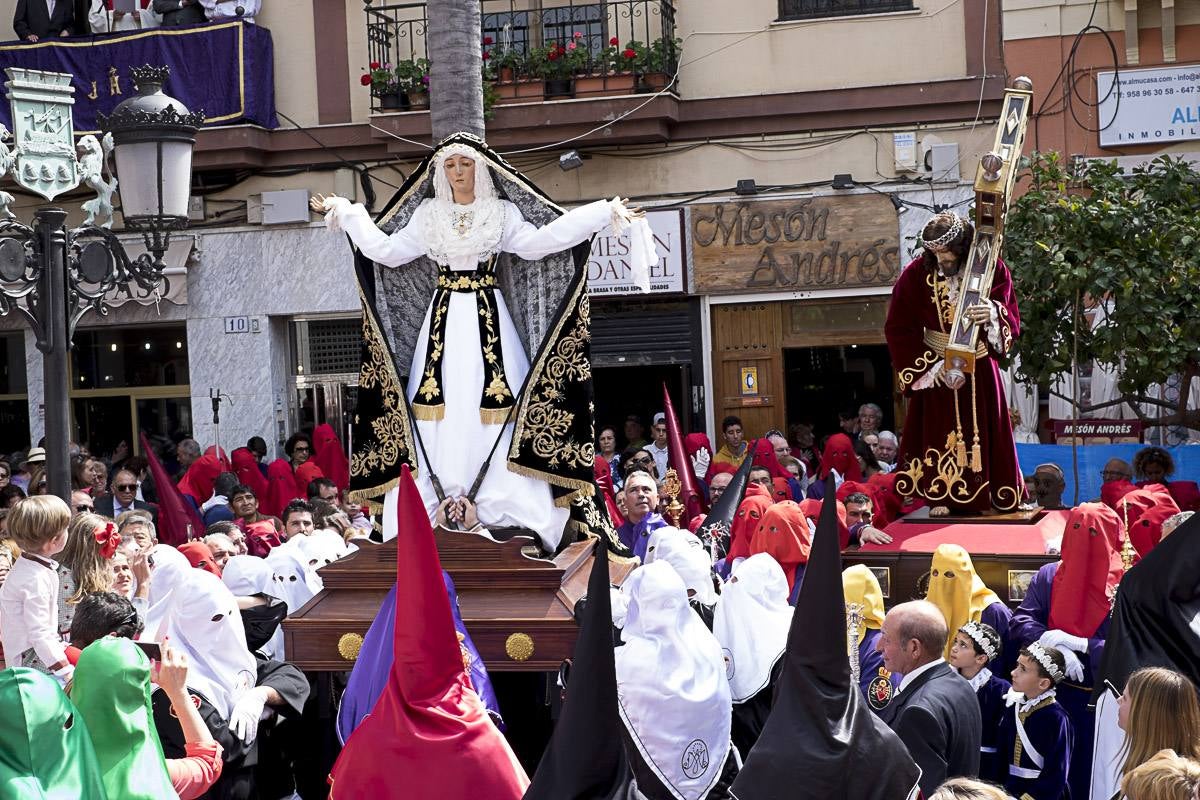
(976,451)
(429,413)
(976,457)
(960,454)
(960,444)
(494,416)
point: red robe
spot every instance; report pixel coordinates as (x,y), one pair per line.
(928,464)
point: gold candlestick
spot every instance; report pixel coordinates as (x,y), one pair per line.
(671,488)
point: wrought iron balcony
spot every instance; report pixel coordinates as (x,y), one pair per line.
(815,9)
(530,52)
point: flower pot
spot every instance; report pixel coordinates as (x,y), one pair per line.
(560,87)
(520,92)
(608,85)
(394,101)
(418,100)
(654,82)
(506,75)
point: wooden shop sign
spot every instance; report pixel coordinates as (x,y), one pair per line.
(809,243)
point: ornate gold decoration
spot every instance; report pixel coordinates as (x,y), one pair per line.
(466,283)
(348,646)
(671,488)
(519,646)
(939,341)
(392,431)
(910,374)
(941,299)
(854,625)
(948,483)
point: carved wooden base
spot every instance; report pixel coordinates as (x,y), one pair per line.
(518,609)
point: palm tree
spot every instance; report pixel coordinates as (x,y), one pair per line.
(455,88)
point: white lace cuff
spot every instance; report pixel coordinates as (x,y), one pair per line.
(335,208)
(642,251)
(930,378)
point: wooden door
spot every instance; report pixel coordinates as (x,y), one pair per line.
(748,376)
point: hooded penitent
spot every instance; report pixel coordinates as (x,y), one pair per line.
(200,556)
(245,466)
(203,622)
(306,473)
(861,588)
(718,525)
(45,750)
(585,759)
(821,741)
(749,513)
(553,332)
(784,535)
(764,456)
(839,455)
(1144,511)
(812,512)
(298,581)
(198,481)
(428,735)
(752,621)
(674,698)
(330,456)
(281,488)
(168,567)
(956,589)
(111,689)
(250,576)
(1086,580)
(888,502)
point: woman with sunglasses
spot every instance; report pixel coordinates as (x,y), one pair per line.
(639,460)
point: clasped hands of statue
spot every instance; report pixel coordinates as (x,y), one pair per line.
(979,314)
(457,513)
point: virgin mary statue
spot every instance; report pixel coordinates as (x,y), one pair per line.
(479,419)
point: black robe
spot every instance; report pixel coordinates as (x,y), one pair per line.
(237,781)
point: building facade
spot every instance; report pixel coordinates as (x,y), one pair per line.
(787,170)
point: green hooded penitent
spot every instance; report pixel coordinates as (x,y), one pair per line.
(45,750)
(112,692)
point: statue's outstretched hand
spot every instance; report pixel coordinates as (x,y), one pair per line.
(322,204)
(637,212)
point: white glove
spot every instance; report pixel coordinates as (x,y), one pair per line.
(64,675)
(700,463)
(332,207)
(1074,665)
(243,720)
(619,604)
(1063,641)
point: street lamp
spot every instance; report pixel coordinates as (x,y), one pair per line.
(53,276)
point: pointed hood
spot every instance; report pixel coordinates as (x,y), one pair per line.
(585,759)
(1157,613)
(281,488)
(174,514)
(330,456)
(821,740)
(956,589)
(1144,511)
(677,457)
(200,477)
(245,466)
(1087,578)
(719,522)
(429,725)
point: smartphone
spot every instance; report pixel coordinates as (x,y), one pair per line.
(152,650)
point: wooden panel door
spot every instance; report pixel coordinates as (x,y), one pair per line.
(747,344)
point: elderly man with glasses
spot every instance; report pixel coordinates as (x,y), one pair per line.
(124,498)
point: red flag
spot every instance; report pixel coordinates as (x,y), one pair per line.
(690,495)
(175,515)
(428,734)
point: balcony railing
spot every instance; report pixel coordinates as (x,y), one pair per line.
(529,51)
(815,9)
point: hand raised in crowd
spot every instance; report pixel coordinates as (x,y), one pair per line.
(139,565)
(170,673)
(701,462)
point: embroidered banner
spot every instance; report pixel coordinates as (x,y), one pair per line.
(225,70)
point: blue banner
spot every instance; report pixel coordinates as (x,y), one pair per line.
(1091,462)
(225,70)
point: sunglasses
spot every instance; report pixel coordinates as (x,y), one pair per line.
(126,487)
(301,449)
(82,509)
(646,460)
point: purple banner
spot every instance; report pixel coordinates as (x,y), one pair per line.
(225,70)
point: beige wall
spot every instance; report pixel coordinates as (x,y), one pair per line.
(814,54)
(1028,19)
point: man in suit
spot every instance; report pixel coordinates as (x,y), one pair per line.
(43,19)
(124,498)
(935,712)
(180,12)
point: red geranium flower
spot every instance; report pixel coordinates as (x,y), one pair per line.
(552,55)
(578,35)
(486,55)
(487,40)
(629,53)
(374,65)
(614,41)
(365,80)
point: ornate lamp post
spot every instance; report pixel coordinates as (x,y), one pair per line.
(53,276)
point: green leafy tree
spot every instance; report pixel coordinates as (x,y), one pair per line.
(1120,244)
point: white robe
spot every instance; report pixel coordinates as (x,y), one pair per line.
(458,443)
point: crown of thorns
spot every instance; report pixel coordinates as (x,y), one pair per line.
(1040,655)
(980,637)
(956,227)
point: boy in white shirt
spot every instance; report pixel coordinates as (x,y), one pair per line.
(29,597)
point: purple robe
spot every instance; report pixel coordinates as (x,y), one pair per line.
(927,464)
(999,616)
(1049,731)
(636,537)
(374,663)
(1028,624)
(991,709)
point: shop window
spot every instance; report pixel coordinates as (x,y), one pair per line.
(114,358)
(14,400)
(815,9)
